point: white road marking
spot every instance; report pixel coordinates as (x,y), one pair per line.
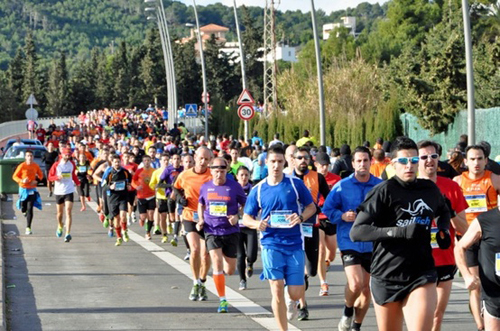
(235,299)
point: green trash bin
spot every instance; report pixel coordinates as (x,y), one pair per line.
(7,168)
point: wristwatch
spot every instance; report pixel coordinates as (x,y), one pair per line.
(301,218)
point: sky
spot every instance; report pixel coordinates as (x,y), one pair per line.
(327,5)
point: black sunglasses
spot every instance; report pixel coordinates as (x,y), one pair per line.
(302,157)
(222,167)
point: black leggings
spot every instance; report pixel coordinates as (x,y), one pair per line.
(27,207)
(248,239)
(311,245)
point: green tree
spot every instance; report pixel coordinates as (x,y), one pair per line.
(31,83)
(120,71)
(57,94)
(15,76)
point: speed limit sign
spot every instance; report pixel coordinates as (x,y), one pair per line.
(246,112)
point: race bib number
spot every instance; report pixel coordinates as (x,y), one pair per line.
(195,217)
(497,264)
(82,169)
(278,219)
(434,243)
(66,175)
(307,230)
(120,185)
(218,209)
(477,203)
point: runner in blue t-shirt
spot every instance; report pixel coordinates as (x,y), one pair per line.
(218,209)
(284,202)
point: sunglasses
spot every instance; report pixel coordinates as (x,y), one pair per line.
(425,157)
(302,157)
(405,160)
(221,167)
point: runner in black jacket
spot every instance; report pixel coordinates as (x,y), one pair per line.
(396,215)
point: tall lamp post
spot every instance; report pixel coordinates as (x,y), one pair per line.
(203,72)
(242,60)
(471,113)
(167,56)
(320,77)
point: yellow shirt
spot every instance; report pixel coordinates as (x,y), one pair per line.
(155,179)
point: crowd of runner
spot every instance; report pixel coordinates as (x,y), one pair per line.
(402,218)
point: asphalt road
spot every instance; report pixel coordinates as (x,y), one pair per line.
(89,284)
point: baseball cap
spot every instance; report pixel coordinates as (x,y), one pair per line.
(322,158)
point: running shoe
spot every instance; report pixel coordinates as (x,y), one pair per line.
(303,314)
(111,233)
(83,208)
(157,230)
(134,218)
(292,311)
(164,239)
(125,236)
(324,290)
(59,232)
(88,199)
(202,294)
(118,241)
(105,224)
(188,255)
(28,231)
(67,239)
(249,271)
(170,229)
(173,242)
(147,236)
(193,296)
(222,307)
(50,194)
(345,323)
(243,285)
(101,217)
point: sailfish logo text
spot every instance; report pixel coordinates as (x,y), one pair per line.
(418,207)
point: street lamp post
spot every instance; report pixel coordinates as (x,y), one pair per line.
(471,113)
(203,72)
(167,56)
(320,77)
(242,60)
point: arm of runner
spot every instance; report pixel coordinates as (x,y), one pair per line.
(308,212)
(472,235)
(496,182)
(53,173)
(201,220)
(16,176)
(459,222)
(364,230)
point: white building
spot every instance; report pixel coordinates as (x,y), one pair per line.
(348,22)
(283,52)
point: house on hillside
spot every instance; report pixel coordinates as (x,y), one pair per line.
(348,22)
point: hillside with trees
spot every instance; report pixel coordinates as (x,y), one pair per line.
(408,56)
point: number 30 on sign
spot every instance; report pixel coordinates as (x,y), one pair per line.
(246,112)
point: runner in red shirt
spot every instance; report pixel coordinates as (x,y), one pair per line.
(40,134)
(443,258)
(145,195)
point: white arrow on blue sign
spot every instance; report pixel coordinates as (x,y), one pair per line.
(191,109)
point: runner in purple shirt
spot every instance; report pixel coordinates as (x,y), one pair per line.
(218,206)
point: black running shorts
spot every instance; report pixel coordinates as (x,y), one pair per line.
(60,199)
(351,257)
(228,243)
(388,291)
(144,205)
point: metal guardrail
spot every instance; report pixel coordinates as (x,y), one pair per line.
(12,128)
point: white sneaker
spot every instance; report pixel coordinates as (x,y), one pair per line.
(345,323)
(134,218)
(291,307)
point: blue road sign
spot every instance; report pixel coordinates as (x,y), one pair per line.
(191,109)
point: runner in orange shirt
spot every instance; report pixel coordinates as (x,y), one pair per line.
(188,186)
(145,195)
(27,175)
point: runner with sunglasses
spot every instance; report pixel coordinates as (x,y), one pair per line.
(218,209)
(443,258)
(397,215)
